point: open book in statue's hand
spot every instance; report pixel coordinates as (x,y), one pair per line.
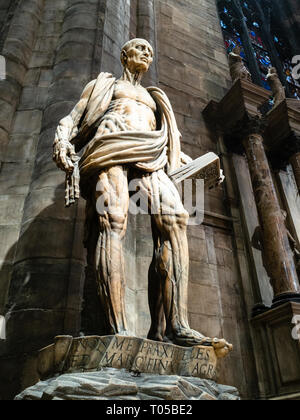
(206,167)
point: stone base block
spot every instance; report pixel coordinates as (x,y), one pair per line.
(115,384)
(137,355)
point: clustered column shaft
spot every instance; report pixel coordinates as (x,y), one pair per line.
(277,253)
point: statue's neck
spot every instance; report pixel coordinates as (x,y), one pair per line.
(134,78)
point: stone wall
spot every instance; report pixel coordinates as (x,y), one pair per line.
(62,45)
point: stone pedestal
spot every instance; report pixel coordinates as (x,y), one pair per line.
(279,363)
(114,384)
(87,354)
(107,367)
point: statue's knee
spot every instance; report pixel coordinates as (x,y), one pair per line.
(115,221)
(173,222)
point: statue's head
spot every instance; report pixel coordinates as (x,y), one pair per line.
(237,50)
(137,55)
(272,70)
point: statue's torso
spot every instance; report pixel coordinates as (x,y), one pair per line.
(132,109)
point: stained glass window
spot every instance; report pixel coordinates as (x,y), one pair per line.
(268,47)
(285,54)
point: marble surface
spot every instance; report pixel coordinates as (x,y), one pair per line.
(137,355)
(112,384)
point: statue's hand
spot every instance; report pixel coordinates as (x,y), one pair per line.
(64,155)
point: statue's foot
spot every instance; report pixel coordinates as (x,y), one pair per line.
(186,337)
(155,336)
(221,347)
(189,338)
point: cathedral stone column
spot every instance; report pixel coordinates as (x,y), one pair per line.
(20,37)
(46,283)
(283,137)
(246,132)
(276,250)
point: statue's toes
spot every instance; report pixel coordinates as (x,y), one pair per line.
(221,347)
(218,343)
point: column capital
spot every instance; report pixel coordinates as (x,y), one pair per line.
(238,113)
(245,128)
(283,133)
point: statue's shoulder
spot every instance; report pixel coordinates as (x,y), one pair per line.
(152,89)
(105,76)
(157,93)
(103,79)
(103,83)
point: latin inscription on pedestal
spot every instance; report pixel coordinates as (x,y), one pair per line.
(137,355)
(120,353)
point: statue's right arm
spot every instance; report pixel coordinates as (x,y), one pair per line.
(63,150)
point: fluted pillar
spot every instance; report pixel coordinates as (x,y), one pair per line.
(277,253)
(17,47)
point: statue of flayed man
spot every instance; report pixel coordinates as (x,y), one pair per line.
(131,132)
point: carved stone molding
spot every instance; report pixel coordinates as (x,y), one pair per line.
(282,136)
(237,114)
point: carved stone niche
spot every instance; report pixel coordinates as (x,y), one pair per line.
(283,136)
(278,363)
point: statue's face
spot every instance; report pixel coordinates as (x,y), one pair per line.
(137,56)
(237,50)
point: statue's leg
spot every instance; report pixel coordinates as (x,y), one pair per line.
(168,276)
(155,297)
(112,200)
(171,264)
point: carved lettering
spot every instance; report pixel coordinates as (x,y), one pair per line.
(131,353)
(108,360)
(118,345)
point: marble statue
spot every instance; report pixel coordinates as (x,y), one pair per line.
(131,132)
(237,67)
(275,84)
